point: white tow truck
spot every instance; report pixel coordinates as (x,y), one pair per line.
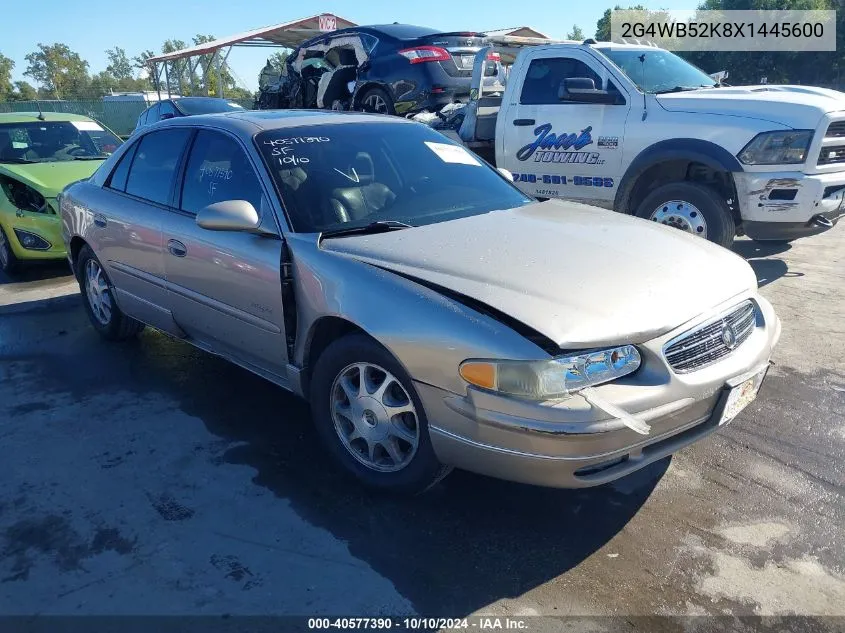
(637,129)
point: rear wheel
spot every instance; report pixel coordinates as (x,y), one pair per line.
(377,100)
(9,263)
(693,208)
(371,419)
(98,297)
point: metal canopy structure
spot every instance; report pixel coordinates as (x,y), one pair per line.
(212,55)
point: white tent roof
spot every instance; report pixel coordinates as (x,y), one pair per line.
(289,35)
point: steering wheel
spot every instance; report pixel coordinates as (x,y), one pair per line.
(76,151)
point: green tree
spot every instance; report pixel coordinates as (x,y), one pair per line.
(61,71)
(24,92)
(278,60)
(6,88)
(119,65)
(603,23)
(575,34)
(777,66)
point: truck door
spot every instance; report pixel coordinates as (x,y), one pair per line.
(561,147)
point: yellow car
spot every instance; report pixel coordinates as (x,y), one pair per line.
(40,154)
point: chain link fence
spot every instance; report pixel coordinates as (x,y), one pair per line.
(119,116)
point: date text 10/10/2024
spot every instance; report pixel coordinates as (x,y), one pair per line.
(419,624)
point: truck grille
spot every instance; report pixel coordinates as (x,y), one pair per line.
(832,154)
(835,129)
(712,341)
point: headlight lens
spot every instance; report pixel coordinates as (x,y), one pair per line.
(777,148)
(554,378)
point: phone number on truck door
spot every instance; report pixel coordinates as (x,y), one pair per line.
(578,181)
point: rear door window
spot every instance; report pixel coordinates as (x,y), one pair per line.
(218,170)
(121,172)
(166,108)
(154,168)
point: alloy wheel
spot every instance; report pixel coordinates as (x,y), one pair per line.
(374,417)
(375,103)
(681,215)
(98,293)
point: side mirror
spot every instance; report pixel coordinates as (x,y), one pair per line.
(165,116)
(230,215)
(505,173)
(583,90)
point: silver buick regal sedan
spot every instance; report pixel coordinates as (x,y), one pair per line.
(433,315)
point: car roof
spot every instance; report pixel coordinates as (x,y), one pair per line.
(33,117)
(249,122)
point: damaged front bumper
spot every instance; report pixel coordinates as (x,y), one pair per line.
(575,444)
(789,205)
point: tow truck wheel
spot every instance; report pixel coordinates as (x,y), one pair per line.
(690,207)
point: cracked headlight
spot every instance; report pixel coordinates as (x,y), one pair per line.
(553,378)
(777,148)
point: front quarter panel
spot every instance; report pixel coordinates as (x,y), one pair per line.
(428,333)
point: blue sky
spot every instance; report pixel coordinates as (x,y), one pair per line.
(92,26)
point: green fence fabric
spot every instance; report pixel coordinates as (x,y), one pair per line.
(118,116)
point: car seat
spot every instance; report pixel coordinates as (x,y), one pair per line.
(333,85)
(366,197)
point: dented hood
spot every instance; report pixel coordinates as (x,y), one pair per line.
(799,107)
(581,276)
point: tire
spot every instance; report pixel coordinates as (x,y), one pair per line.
(333,378)
(377,96)
(692,207)
(112,324)
(9,263)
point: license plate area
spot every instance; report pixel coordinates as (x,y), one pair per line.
(465,62)
(742,394)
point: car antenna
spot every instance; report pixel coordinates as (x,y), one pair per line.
(642,83)
(40,113)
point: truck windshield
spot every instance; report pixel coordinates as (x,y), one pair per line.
(350,176)
(656,70)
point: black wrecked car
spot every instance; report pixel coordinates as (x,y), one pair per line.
(389,69)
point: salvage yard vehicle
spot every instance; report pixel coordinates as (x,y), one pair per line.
(184,106)
(388,69)
(39,155)
(433,315)
(638,129)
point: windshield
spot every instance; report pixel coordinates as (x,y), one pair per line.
(205,106)
(659,71)
(342,176)
(52,141)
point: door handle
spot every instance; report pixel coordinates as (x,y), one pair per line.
(177,248)
(521,122)
(100,220)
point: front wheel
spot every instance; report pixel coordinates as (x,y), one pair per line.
(690,207)
(9,263)
(98,298)
(371,419)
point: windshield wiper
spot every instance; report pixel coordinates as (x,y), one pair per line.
(678,89)
(17,161)
(380,226)
(90,157)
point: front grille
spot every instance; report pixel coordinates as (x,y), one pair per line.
(832,154)
(837,128)
(706,344)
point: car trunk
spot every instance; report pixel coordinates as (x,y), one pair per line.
(462,48)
